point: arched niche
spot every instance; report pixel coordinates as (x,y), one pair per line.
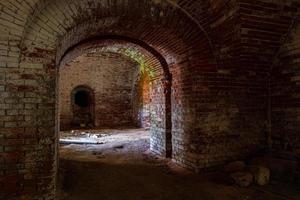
(83,106)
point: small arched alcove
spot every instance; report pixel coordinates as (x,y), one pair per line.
(83,106)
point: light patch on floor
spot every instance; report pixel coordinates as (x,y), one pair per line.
(119,166)
(108,145)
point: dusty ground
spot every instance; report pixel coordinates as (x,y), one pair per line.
(118,166)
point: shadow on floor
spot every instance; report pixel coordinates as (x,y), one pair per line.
(92,180)
(122,168)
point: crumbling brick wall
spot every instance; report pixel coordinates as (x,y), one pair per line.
(110,76)
(219,53)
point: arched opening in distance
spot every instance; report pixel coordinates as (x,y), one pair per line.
(82,99)
(201,74)
(49,30)
(83,107)
(150,85)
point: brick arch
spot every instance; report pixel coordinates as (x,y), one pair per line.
(170,45)
(147,62)
(173,26)
(160,81)
(195,11)
(184,47)
(152,59)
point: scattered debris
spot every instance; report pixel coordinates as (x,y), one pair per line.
(78,141)
(244,176)
(119,146)
(97,153)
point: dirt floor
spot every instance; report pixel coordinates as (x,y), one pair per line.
(117,165)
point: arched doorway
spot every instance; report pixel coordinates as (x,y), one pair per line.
(160,80)
(47,32)
(83,104)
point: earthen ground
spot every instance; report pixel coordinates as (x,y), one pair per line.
(121,167)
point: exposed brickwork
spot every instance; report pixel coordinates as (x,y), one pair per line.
(141,100)
(266,25)
(285,95)
(151,63)
(219,54)
(110,76)
(148,62)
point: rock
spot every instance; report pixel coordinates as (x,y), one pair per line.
(97,153)
(119,147)
(237,166)
(261,174)
(91,135)
(242,179)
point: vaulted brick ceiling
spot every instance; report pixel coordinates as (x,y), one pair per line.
(147,62)
(219,52)
(173,28)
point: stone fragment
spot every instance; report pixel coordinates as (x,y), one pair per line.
(236,166)
(261,174)
(242,179)
(119,147)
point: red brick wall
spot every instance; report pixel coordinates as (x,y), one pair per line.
(28,142)
(286,94)
(219,53)
(141,100)
(110,76)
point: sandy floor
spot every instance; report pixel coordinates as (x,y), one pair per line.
(118,166)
